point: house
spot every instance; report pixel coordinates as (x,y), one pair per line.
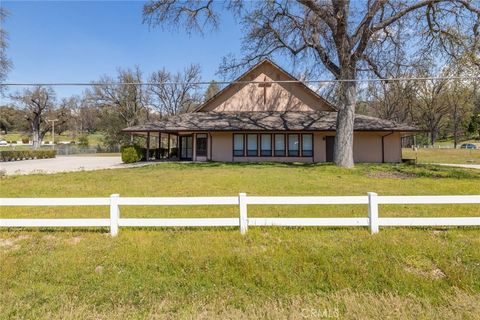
(268,115)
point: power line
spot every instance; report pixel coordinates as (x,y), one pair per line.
(235,82)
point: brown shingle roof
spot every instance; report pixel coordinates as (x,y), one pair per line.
(265,121)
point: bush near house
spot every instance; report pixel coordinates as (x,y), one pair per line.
(13,155)
(131,154)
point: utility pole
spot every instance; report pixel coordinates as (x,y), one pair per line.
(53,131)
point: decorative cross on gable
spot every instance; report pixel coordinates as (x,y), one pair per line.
(265,85)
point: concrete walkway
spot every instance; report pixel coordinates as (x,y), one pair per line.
(65,164)
(468,166)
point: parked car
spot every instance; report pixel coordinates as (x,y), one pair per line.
(468,146)
(3,143)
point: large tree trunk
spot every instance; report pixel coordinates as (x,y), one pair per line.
(36,134)
(343,152)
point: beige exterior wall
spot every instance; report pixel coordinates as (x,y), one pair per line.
(393,147)
(319,154)
(279,96)
(367,147)
(222,146)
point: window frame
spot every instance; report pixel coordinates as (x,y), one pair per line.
(197,137)
(284,150)
(243,145)
(256,144)
(261,145)
(299,145)
(302,145)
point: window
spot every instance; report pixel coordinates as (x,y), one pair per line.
(252,145)
(238,145)
(280,145)
(293,146)
(307,145)
(201,147)
(266,145)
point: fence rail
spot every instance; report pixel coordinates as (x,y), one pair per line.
(114,202)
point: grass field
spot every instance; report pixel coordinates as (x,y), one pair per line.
(94,139)
(217,273)
(456,156)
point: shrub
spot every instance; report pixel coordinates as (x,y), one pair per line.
(14,142)
(25,140)
(13,155)
(130,154)
(72,142)
(83,141)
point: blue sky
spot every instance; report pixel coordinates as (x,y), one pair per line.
(80,41)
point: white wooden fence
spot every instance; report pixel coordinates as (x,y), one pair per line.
(373,221)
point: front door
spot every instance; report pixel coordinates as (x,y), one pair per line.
(330,143)
(186,148)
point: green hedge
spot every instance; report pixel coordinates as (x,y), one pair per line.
(13,155)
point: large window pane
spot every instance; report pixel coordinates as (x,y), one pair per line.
(307,145)
(293,146)
(252,148)
(266,145)
(238,145)
(279,145)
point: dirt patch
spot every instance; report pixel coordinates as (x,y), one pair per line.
(390,175)
(11,244)
(76,240)
(435,273)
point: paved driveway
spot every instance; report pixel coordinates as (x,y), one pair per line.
(64,164)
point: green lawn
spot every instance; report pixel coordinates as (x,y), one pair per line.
(462,156)
(217,273)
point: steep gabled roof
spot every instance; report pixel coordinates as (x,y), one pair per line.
(250,71)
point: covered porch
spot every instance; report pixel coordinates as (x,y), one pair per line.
(173,146)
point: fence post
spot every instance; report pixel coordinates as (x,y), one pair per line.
(114,214)
(242,202)
(373,212)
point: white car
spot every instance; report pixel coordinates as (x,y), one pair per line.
(3,143)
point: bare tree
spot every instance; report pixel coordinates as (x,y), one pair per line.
(39,105)
(5,63)
(175,93)
(346,37)
(122,102)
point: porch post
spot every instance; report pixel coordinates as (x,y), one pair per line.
(148,146)
(178,146)
(168,146)
(159,145)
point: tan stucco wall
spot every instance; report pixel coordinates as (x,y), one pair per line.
(393,148)
(367,147)
(319,154)
(222,146)
(279,97)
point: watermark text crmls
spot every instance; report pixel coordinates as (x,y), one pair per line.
(319,313)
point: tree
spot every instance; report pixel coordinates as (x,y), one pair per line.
(5,63)
(348,38)
(122,103)
(175,93)
(212,89)
(12,119)
(39,105)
